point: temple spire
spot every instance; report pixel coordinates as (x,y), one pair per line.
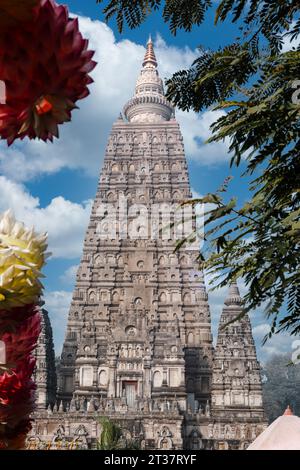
(150,58)
(149,103)
(236,381)
(45,371)
(233,296)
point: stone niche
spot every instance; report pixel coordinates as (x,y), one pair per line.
(86,376)
(102,377)
(174,377)
(157,378)
(69,384)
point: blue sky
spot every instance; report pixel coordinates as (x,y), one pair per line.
(51,185)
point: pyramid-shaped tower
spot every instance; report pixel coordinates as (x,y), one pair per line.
(236,393)
(138,333)
(138,346)
(45,373)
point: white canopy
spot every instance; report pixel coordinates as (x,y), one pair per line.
(282,434)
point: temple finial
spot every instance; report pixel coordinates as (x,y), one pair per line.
(149,103)
(233,296)
(288,412)
(150,58)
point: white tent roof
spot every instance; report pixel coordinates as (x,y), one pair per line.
(282,434)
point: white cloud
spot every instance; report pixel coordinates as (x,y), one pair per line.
(115,76)
(277,344)
(170,58)
(65,232)
(69,276)
(57,303)
(288,45)
(196,131)
(261,330)
(23,161)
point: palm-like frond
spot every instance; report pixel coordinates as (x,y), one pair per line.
(179,14)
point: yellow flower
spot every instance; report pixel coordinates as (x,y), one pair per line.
(22,256)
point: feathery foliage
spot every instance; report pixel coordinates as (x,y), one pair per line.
(179,14)
(111,437)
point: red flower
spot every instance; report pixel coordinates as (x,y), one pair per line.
(11,319)
(20,344)
(16,398)
(15,11)
(16,386)
(47,61)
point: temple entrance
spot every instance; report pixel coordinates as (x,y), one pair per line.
(130,392)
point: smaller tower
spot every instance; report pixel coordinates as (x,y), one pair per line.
(236,385)
(45,372)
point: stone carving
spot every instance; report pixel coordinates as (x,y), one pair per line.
(164,440)
(80,438)
(59,439)
(45,372)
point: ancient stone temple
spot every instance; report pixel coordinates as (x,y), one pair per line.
(236,391)
(45,373)
(138,346)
